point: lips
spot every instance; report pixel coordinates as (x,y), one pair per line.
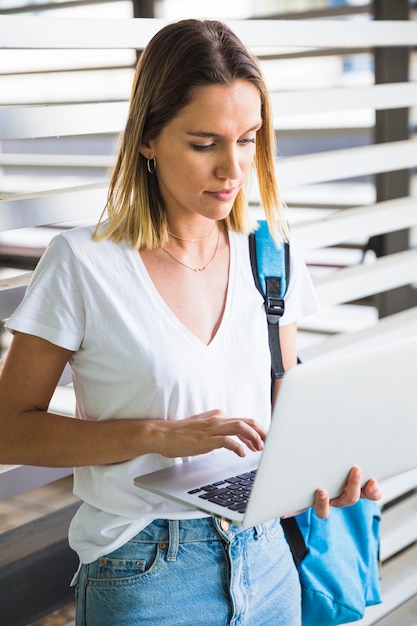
(224,195)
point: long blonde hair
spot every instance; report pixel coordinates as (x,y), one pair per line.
(186,54)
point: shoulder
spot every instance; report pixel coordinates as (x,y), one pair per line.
(68,242)
(75,238)
(79,243)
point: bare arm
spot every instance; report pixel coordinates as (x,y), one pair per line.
(288,343)
(30,435)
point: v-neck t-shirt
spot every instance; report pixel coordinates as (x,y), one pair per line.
(133,358)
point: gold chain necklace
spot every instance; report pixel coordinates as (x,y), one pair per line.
(196,269)
(192,240)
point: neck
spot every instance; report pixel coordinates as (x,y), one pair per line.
(196,237)
(200,262)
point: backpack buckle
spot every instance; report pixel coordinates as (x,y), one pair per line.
(274,308)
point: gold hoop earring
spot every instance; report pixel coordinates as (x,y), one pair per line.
(151,165)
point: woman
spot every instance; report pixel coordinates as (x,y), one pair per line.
(158,315)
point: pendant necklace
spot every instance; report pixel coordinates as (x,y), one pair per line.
(203,267)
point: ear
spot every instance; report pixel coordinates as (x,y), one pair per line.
(146,149)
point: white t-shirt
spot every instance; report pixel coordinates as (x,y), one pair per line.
(133,358)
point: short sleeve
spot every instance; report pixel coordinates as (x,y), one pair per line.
(301,298)
(53,305)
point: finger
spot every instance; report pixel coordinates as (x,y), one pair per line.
(213,429)
(255,444)
(251,441)
(254,426)
(219,422)
(352,491)
(250,433)
(322,503)
(233,445)
(371,490)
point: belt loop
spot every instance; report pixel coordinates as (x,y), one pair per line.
(174,537)
(259,531)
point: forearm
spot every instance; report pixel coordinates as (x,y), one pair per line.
(39,438)
(44,439)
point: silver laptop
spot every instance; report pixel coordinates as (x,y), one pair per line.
(355,408)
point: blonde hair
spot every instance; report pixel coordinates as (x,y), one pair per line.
(183,55)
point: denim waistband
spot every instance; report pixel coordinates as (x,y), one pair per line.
(174,532)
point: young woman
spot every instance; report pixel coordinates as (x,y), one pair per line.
(157,313)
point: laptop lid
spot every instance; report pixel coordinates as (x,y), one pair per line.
(355,408)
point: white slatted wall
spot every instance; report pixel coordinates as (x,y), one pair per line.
(43,185)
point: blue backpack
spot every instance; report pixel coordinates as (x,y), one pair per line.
(337,558)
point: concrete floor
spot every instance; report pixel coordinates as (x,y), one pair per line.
(63,617)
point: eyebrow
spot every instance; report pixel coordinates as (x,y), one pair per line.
(204,134)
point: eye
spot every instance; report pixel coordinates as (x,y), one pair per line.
(246,142)
(198,148)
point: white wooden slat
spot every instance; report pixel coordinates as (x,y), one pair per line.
(341,164)
(398,584)
(63,401)
(20,280)
(353,283)
(64,205)
(110,117)
(378,97)
(324,33)
(52,161)
(64,120)
(398,527)
(26,33)
(42,32)
(390,328)
(10,298)
(397,486)
(74,87)
(18,479)
(347,224)
(20,62)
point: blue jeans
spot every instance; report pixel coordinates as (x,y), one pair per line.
(193,572)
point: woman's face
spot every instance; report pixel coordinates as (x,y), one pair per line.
(206,151)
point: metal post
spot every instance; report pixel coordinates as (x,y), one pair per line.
(392,65)
(143,8)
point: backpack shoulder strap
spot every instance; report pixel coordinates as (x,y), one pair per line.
(270,268)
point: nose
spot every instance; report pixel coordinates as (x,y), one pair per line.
(229,165)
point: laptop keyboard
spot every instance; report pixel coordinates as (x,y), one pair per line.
(232,493)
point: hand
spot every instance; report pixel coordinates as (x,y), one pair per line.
(208,431)
(349,496)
